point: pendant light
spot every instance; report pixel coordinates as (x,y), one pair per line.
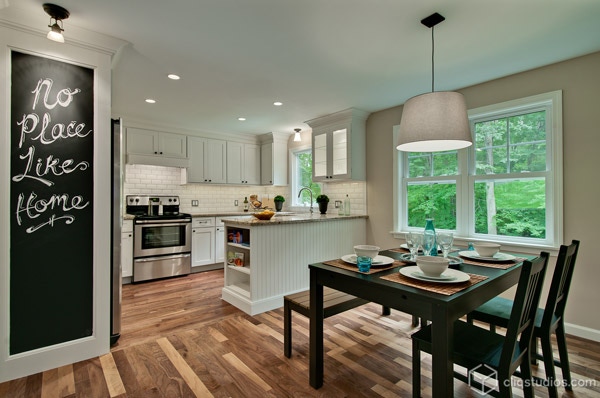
(57,13)
(297,137)
(435,121)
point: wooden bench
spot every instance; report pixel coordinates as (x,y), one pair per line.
(334,302)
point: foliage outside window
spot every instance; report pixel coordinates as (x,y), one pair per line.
(505,187)
(302,177)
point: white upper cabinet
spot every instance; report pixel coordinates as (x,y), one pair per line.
(243,163)
(274,159)
(207,160)
(156,148)
(338,145)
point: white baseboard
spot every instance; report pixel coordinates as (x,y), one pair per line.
(582,331)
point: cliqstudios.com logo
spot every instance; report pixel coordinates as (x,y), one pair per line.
(483,379)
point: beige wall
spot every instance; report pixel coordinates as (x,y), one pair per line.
(579,79)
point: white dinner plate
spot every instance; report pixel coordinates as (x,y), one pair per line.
(378,261)
(407,258)
(498,257)
(448,276)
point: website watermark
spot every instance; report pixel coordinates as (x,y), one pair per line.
(516,382)
(483,379)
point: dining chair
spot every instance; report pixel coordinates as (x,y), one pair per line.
(478,349)
(549,320)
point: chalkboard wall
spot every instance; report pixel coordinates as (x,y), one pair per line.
(51,196)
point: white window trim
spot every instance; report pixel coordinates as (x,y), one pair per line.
(554,220)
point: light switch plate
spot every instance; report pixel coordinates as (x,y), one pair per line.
(194,203)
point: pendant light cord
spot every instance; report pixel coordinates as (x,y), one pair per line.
(432,60)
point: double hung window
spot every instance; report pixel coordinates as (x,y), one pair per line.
(507,187)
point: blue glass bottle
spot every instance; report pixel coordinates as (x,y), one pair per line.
(429,227)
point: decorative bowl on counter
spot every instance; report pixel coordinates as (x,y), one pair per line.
(264,215)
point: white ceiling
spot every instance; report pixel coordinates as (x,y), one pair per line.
(236,57)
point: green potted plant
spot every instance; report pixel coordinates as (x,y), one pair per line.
(323,201)
(279,202)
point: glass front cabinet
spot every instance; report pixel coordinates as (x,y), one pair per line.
(338,146)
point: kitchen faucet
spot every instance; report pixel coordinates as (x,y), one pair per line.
(311,197)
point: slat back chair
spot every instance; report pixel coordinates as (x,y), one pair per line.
(549,320)
(477,348)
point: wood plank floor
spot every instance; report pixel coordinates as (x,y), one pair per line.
(179,339)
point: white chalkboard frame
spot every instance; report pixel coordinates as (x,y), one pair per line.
(99,59)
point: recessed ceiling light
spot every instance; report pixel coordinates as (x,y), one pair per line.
(150,101)
(241,119)
(277,103)
(173,77)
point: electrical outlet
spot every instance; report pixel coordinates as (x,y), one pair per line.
(338,204)
(194,203)
(235,202)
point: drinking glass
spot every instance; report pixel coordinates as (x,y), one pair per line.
(445,240)
(414,240)
(364,263)
(428,242)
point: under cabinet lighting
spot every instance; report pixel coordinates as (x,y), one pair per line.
(150,101)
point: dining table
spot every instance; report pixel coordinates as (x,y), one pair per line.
(440,303)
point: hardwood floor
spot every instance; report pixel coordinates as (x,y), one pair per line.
(179,339)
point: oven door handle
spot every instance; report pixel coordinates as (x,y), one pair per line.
(148,259)
(166,223)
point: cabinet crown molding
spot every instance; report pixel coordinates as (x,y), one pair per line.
(350,114)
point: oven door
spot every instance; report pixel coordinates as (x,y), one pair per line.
(161,237)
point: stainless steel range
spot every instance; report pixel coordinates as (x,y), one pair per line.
(161,237)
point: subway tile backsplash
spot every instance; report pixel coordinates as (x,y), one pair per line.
(158,180)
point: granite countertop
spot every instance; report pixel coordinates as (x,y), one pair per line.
(246,218)
(289,219)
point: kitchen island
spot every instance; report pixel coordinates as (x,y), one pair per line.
(266,260)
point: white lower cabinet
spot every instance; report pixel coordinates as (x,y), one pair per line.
(203,241)
(127,249)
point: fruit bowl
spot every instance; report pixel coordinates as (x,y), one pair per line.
(264,215)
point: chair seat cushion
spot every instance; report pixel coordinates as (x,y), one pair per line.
(497,312)
(472,345)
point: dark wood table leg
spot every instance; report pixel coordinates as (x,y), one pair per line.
(316,331)
(442,333)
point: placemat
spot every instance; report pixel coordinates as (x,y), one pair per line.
(351,267)
(447,289)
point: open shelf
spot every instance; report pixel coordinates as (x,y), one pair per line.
(243,270)
(239,245)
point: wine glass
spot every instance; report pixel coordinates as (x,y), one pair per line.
(414,240)
(445,240)
(428,242)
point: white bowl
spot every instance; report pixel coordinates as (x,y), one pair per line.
(432,266)
(366,250)
(486,249)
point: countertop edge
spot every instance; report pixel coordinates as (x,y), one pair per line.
(295,219)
